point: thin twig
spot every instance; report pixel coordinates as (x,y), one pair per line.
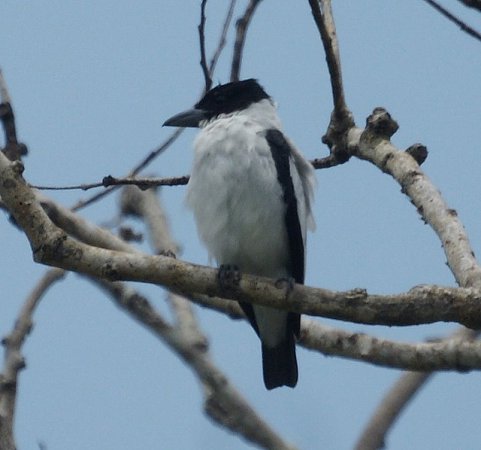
(464,27)
(142,183)
(203,59)
(144,163)
(341,118)
(169,141)
(322,13)
(112,183)
(241,33)
(147,183)
(222,38)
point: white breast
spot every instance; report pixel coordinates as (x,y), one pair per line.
(236,198)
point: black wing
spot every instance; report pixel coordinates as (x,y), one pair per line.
(281,153)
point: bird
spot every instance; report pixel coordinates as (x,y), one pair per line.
(251,193)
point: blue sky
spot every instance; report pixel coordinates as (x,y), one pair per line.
(91,84)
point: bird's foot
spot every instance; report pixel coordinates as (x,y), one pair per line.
(228,276)
(285,283)
(168,253)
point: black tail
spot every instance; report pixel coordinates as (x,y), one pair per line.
(279,364)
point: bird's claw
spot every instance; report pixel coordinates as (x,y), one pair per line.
(285,283)
(228,276)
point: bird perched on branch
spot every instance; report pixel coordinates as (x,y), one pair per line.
(251,193)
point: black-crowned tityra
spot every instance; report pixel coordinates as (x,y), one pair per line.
(251,193)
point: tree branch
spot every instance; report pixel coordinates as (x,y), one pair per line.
(341,117)
(350,305)
(203,59)
(455,353)
(136,170)
(373,145)
(222,38)
(53,246)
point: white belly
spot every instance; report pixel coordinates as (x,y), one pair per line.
(238,205)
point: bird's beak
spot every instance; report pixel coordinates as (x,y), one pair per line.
(189,118)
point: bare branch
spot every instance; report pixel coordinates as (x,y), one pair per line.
(14,361)
(241,33)
(455,353)
(209,70)
(80,228)
(222,38)
(341,117)
(322,13)
(421,305)
(373,145)
(203,59)
(109,180)
(464,27)
(439,356)
(52,246)
(147,183)
(142,165)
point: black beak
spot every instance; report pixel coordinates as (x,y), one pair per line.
(189,118)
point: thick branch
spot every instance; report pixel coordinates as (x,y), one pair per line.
(52,246)
(373,145)
(456,353)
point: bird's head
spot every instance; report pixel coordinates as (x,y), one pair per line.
(223,99)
